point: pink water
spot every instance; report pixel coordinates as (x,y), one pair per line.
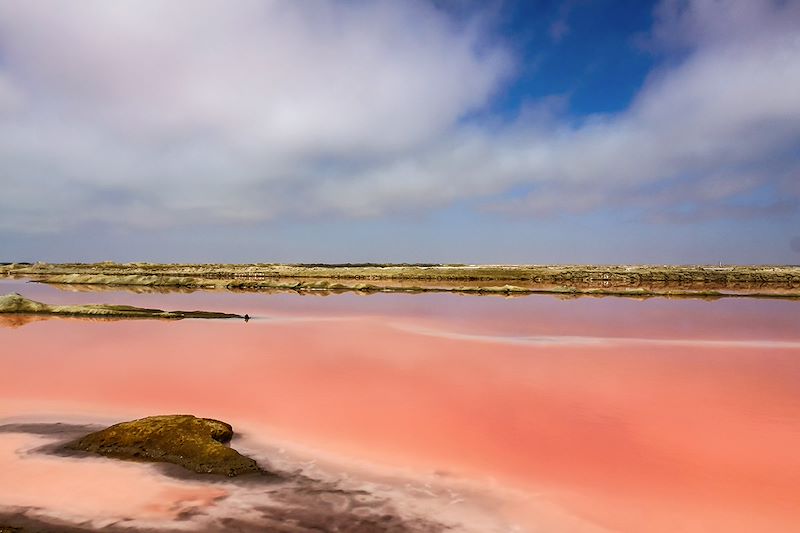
(595,414)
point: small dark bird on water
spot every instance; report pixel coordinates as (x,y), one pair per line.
(246,318)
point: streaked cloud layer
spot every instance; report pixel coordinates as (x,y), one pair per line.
(162,114)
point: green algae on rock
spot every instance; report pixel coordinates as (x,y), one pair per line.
(16,303)
(197,444)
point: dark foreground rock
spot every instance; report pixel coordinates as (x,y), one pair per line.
(197,444)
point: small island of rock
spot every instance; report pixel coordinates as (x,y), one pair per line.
(197,444)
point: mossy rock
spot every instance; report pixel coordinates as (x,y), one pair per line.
(197,444)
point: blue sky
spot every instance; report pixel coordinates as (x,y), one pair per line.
(528,132)
(587,50)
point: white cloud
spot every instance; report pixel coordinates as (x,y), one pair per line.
(171,112)
(195,104)
(726,117)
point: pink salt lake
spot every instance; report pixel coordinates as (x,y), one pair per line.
(569,415)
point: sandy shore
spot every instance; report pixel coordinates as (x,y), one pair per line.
(122,496)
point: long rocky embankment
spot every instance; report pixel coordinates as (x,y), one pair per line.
(627,280)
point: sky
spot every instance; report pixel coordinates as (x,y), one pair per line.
(501,131)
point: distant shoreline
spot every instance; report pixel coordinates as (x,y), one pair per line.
(603,280)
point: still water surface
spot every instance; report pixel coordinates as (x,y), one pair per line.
(532,413)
